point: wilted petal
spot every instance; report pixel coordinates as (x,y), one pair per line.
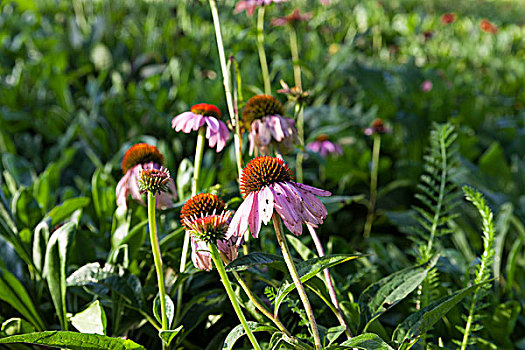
(254,220)
(265,198)
(313,190)
(286,210)
(165,200)
(276,127)
(200,255)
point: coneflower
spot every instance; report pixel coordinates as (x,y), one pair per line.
(324,146)
(137,158)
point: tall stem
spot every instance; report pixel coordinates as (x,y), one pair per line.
(296,279)
(300,133)
(329,283)
(215,255)
(262,53)
(199,152)
(294,48)
(373,185)
(157,259)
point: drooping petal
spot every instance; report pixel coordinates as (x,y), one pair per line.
(239,223)
(229,248)
(133,184)
(254,220)
(165,200)
(180,121)
(265,198)
(313,190)
(274,123)
(122,190)
(193,124)
(286,210)
(200,255)
(222,136)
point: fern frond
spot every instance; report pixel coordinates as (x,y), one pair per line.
(483,269)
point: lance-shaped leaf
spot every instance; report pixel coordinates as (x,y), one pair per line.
(73,341)
(237,332)
(367,341)
(422,321)
(308,269)
(387,292)
(257,258)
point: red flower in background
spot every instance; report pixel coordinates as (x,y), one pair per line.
(488,27)
(448,18)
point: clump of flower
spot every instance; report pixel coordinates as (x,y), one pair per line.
(377,127)
(426,86)
(138,158)
(293,19)
(200,114)
(251,5)
(324,146)
(448,18)
(488,27)
(205,218)
(263,118)
(267,185)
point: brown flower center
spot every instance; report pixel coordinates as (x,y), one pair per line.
(203,204)
(207,110)
(263,171)
(260,106)
(141,153)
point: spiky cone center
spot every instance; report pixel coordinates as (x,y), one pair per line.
(378,126)
(260,106)
(154,180)
(263,171)
(210,228)
(141,153)
(206,110)
(200,205)
(322,138)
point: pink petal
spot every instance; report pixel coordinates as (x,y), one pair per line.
(122,189)
(222,136)
(276,128)
(286,210)
(254,220)
(239,224)
(265,198)
(313,190)
(180,121)
(200,255)
(165,199)
(193,124)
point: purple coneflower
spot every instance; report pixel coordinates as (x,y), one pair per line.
(217,132)
(205,218)
(377,127)
(262,116)
(250,5)
(266,184)
(291,19)
(137,158)
(324,146)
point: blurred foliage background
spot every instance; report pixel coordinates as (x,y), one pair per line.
(81,81)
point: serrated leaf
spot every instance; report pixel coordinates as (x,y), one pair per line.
(168,336)
(387,292)
(238,331)
(91,320)
(73,341)
(55,268)
(170,309)
(367,341)
(422,321)
(308,269)
(256,258)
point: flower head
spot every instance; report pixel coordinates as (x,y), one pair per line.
(294,94)
(262,117)
(266,184)
(488,27)
(250,5)
(205,218)
(293,19)
(324,146)
(139,158)
(154,180)
(377,127)
(217,132)
(448,18)
(141,153)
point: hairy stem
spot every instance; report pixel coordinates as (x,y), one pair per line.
(373,185)
(296,279)
(262,53)
(157,259)
(215,255)
(329,283)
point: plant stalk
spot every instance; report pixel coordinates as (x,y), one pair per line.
(157,259)
(262,53)
(373,185)
(294,48)
(296,279)
(329,283)
(215,255)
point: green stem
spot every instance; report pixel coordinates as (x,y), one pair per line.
(262,53)
(157,259)
(300,133)
(373,185)
(295,277)
(215,255)
(294,48)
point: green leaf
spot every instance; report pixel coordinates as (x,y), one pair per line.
(65,210)
(170,309)
(308,269)
(168,336)
(367,341)
(422,321)
(103,193)
(329,335)
(55,268)
(301,248)
(238,331)
(387,292)
(25,207)
(256,258)
(15,326)
(14,293)
(73,341)
(91,320)
(40,239)
(501,323)
(19,168)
